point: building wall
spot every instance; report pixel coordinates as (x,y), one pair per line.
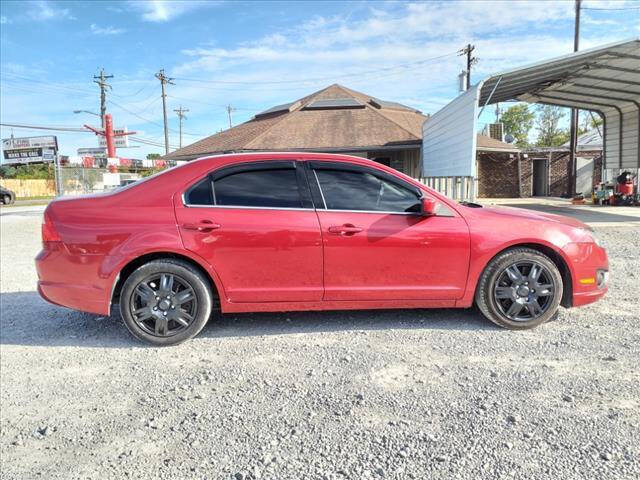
(497,175)
(526,177)
(406,161)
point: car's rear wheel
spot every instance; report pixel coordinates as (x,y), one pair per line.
(165,302)
(6,199)
(520,289)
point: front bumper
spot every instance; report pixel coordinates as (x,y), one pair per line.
(589,262)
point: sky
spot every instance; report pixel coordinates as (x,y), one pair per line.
(253,55)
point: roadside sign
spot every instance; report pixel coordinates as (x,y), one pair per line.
(45,141)
(119,141)
(28,155)
(92,152)
(16,151)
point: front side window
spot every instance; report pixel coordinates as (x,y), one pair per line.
(276,188)
(355,190)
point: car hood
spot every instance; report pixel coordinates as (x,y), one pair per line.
(522,213)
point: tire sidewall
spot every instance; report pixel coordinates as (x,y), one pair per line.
(196,281)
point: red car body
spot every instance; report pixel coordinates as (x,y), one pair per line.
(271,259)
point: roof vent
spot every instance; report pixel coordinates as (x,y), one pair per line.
(278,109)
(376,102)
(334,104)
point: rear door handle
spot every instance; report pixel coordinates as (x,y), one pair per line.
(346,229)
(202,226)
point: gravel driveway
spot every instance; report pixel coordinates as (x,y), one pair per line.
(437,394)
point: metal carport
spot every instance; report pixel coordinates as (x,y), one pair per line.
(604,79)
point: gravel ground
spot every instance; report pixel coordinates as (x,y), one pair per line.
(380,394)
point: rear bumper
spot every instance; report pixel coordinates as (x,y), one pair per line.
(72,281)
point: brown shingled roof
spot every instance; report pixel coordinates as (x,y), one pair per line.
(297,127)
(488,144)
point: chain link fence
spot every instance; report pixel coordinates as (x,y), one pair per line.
(80,180)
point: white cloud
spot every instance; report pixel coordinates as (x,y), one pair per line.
(4,20)
(108,30)
(43,10)
(165,10)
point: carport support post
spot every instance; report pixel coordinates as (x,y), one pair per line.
(574,115)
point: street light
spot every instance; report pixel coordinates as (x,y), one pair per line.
(87,111)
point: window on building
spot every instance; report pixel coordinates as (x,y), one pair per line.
(351,190)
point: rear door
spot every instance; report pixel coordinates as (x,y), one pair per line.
(255,223)
(376,244)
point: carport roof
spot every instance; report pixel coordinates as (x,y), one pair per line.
(605,79)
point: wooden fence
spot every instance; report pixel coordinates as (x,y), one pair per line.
(30,188)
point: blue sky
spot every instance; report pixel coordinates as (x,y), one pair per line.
(253,55)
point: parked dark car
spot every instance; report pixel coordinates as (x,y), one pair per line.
(7,197)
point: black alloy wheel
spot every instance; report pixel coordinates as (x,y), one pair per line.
(163,304)
(166,301)
(520,289)
(524,291)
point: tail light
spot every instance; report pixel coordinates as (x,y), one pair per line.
(49,232)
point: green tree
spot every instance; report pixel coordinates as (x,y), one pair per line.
(548,124)
(518,121)
(153,156)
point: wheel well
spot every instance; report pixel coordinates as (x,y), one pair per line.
(130,267)
(567,294)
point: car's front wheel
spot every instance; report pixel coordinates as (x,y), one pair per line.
(520,289)
(6,199)
(165,302)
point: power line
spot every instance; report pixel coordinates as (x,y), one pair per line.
(181,115)
(163,81)
(471,60)
(230,111)
(610,8)
(101,81)
(319,79)
(153,122)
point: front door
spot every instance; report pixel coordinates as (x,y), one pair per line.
(376,244)
(255,224)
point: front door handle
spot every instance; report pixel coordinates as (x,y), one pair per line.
(346,230)
(202,226)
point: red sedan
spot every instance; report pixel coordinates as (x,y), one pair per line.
(304,231)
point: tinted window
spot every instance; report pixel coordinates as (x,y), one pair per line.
(259,188)
(200,193)
(346,190)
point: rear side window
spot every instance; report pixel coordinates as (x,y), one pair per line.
(276,188)
(200,193)
(352,190)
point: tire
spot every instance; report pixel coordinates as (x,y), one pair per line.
(166,302)
(508,287)
(6,200)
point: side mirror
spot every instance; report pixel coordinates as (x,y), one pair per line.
(428,206)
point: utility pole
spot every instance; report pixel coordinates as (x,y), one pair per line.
(101,80)
(181,114)
(163,81)
(573,180)
(230,110)
(471,60)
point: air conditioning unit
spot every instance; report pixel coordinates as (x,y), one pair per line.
(494,130)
